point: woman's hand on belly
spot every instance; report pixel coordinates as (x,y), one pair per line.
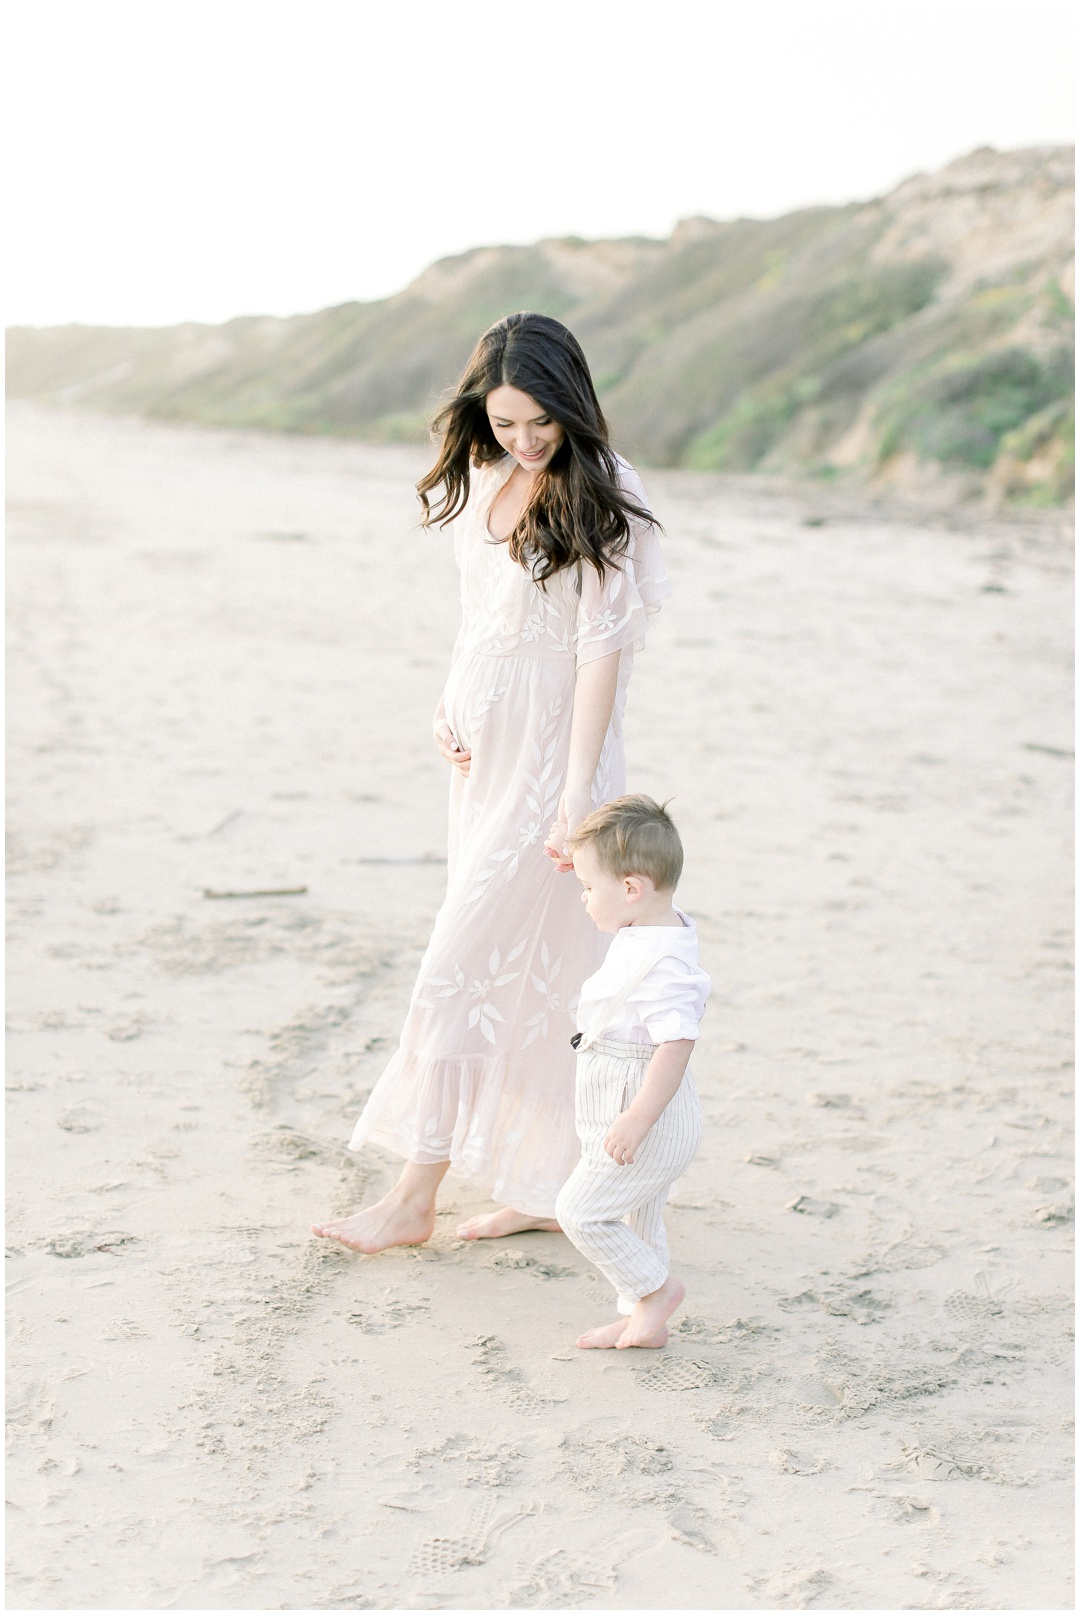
(448,746)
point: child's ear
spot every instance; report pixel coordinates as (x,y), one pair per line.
(634,887)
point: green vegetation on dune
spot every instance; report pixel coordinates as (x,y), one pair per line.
(792,345)
(931,328)
(960,410)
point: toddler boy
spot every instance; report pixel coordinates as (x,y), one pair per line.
(637,1109)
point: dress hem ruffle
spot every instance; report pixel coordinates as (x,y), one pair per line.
(516,1147)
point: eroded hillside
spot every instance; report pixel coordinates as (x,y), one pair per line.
(921,340)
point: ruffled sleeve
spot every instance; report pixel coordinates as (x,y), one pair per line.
(613,613)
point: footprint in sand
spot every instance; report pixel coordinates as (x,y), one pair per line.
(678,1374)
(440,1555)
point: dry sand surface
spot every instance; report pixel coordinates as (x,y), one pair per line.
(226,649)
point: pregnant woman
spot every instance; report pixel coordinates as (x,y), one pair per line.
(560,566)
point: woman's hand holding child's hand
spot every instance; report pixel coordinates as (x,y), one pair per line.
(444,739)
(555,846)
(624,1138)
(571,812)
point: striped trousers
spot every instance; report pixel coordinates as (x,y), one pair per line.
(615,1214)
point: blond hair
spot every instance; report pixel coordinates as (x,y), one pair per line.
(633,836)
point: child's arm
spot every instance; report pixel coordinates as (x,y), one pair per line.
(665,1073)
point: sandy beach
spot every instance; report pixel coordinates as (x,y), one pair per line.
(225,651)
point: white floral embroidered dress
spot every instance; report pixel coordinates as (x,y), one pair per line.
(484,1074)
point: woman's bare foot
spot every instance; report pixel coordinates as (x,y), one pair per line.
(497,1224)
(389,1222)
(646,1325)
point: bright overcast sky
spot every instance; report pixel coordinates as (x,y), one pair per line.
(217,157)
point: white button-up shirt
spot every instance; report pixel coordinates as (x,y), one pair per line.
(668,1003)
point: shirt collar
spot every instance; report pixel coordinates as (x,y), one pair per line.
(671,940)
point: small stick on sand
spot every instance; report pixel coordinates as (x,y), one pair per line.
(271,891)
(405,858)
(228,819)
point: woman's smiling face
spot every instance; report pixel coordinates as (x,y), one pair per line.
(523,428)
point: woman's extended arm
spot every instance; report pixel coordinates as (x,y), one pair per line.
(594,702)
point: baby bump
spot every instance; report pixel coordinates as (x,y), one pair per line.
(508,696)
(476,684)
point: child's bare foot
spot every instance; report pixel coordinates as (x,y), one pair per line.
(647,1324)
(607,1336)
(497,1224)
(389,1222)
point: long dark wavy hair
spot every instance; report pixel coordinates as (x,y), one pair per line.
(578,511)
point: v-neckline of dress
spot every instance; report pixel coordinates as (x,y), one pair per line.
(496,491)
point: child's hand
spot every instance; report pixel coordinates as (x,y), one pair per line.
(572,809)
(555,846)
(623,1138)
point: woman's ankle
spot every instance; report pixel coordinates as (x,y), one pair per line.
(418,1185)
(414,1200)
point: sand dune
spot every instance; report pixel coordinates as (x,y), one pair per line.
(922,341)
(225,651)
